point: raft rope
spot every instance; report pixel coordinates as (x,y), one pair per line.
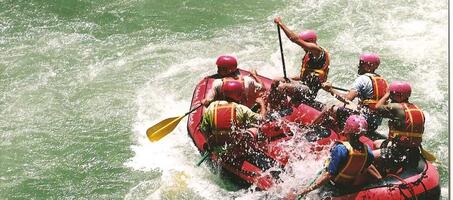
(405,185)
(410,186)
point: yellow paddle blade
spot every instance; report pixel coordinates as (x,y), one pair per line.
(162,128)
(429,156)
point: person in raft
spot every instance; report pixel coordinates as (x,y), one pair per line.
(369,87)
(227,71)
(406,127)
(224,121)
(350,161)
(314,68)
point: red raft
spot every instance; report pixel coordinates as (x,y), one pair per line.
(421,182)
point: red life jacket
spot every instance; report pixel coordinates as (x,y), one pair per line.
(354,166)
(380,86)
(224,116)
(320,69)
(411,131)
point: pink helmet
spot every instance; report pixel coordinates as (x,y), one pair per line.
(232,90)
(226,65)
(355,124)
(400,91)
(371,58)
(308,36)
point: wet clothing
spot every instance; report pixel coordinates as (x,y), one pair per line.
(339,156)
(250,87)
(369,87)
(314,71)
(302,94)
(406,126)
(216,118)
(407,123)
(394,156)
(364,86)
(317,66)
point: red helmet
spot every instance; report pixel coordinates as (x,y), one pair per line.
(308,36)
(226,65)
(400,91)
(371,58)
(232,90)
(355,124)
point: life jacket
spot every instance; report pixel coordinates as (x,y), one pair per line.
(410,132)
(319,68)
(380,86)
(354,166)
(224,116)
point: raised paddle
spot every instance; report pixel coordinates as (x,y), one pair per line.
(281,52)
(165,126)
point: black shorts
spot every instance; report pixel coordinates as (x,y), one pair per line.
(395,156)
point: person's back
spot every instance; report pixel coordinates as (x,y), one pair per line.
(227,71)
(350,160)
(406,127)
(369,87)
(221,118)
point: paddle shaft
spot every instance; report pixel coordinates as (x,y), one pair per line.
(281,52)
(205,155)
(192,110)
(341,89)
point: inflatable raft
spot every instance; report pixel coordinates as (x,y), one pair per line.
(253,166)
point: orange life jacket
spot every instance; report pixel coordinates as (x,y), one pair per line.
(380,86)
(320,69)
(411,131)
(224,116)
(354,166)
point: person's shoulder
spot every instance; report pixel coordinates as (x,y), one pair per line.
(363,78)
(339,148)
(392,106)
(214,103)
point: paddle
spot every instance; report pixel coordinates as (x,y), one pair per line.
(341,89)
(165,126)
(426,154)
(205,155)
(312,181)
(281,52)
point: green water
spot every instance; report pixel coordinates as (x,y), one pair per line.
(82,80)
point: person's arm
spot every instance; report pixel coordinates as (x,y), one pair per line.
(257,81)
(351,95)
(383,100)
(308,46)
(320,181)
(262,104)
(212,93)
(374,172)
(254,75)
